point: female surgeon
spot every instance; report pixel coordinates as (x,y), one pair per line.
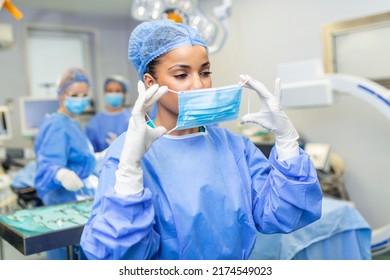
(200,192)
(64,155)
(105,126)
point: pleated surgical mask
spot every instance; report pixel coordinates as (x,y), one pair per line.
(207,106)
(114,99)
(76,105)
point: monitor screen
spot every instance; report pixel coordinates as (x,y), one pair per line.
(33,111)
(5,123)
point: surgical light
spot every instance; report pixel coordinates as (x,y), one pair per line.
(187,12)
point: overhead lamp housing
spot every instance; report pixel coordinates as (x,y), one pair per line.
(187,12)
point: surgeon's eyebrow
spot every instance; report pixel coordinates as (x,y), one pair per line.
(185,66)
(206,64)
(180,66)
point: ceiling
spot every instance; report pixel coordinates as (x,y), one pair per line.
(93,7)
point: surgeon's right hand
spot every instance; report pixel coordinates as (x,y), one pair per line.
(139,137)
(69,179)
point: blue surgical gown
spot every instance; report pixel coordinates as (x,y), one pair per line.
(102,123)
(60,143)
(206,195)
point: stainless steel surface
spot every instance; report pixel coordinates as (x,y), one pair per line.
(31,242)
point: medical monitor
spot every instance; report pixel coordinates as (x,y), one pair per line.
(33,111)
(5,124)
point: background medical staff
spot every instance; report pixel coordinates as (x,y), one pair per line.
(64,155)
(105,126)
(202,192)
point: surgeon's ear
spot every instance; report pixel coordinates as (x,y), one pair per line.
(149,80)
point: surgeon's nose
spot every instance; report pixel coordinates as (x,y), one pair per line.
(197,83)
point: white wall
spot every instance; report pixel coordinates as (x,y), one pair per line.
(266,33)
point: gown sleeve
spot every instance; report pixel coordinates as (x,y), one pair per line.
(287,195)
(90,131)
(51,151)
(120,226)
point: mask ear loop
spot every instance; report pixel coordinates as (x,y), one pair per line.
(249,95)
(172,129)
(150,121)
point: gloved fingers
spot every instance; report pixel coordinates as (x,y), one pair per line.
(278,90)
(157,132)
(255,85)
(154,134)
(251,118)
(75,179)
(100,155)
(143,95)
(259,119)
(140,102)
(73,182)
(152,91)
(244,79)
(156,96)
(139,110)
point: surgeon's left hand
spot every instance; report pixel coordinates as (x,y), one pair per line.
(272,118)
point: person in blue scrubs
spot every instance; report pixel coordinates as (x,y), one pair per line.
(105,126)
(201,192)
(64,156)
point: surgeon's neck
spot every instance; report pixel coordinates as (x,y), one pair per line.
(62,110)
(114,110)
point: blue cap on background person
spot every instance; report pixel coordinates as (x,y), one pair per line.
(153,38)
(70,77)
(117,79)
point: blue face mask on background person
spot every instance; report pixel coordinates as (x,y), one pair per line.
(208,106)
(114,99)
(76,105)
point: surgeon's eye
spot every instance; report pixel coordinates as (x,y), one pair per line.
(181,76)
(77,94)
(206,74)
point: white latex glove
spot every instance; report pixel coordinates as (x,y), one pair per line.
(139,137)
(110,137)
(100,155)
(69,179)
(272,117)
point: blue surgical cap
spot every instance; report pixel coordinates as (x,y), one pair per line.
(70,77)
(117,79)
(153,38)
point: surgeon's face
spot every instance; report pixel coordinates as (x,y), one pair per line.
(79,89)
(184,68)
